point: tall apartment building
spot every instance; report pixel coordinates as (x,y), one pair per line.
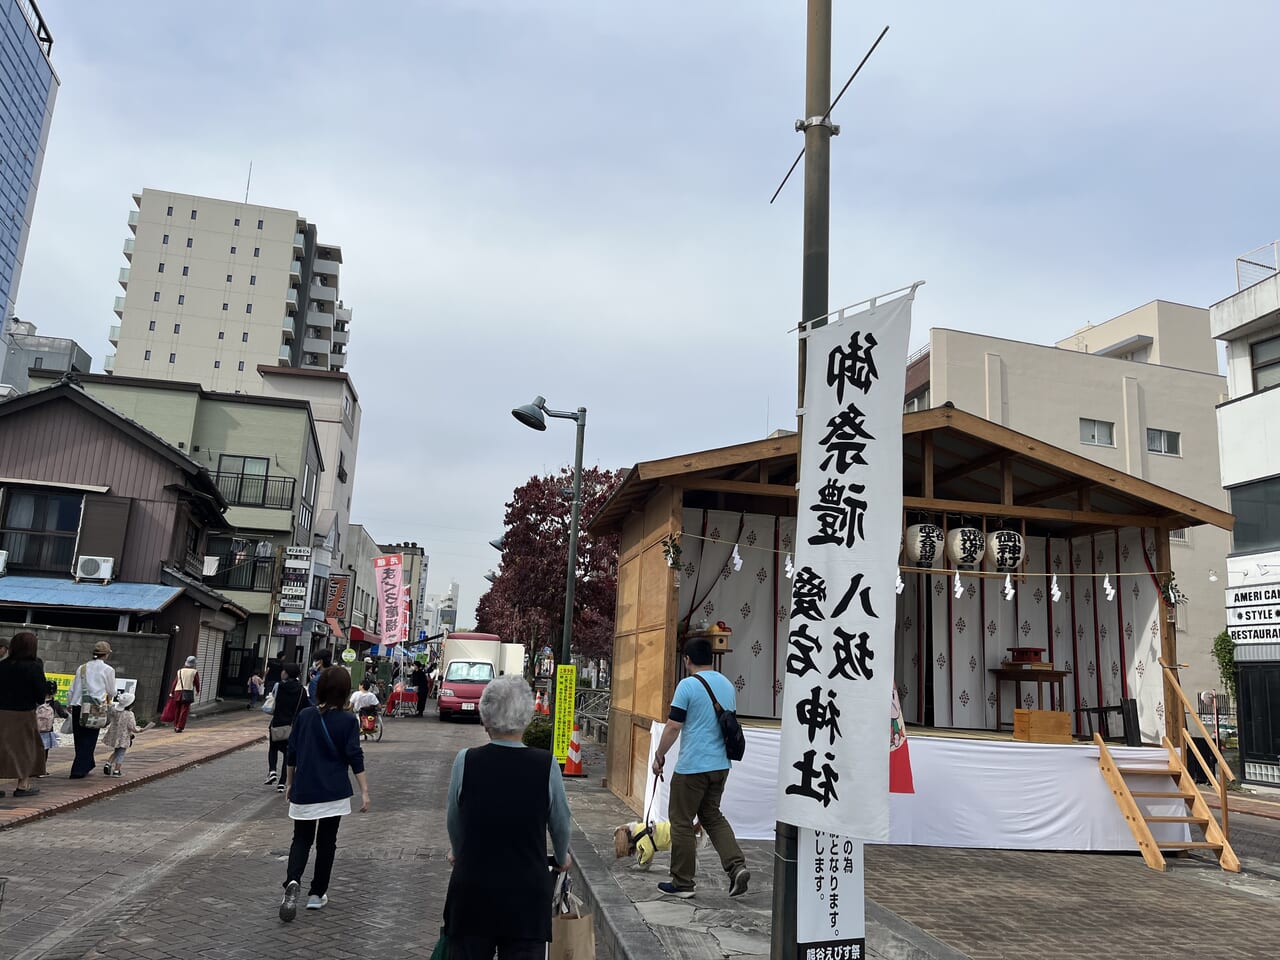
(28,87)
(215,288)
(1249,438)
(1136,393)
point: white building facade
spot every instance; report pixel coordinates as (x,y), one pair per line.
(1249,437)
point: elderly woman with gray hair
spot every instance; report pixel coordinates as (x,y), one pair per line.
(504,797)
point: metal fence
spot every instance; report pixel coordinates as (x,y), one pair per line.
(252,490)
(1258,265)
(592,710)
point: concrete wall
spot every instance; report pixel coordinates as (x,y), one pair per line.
(1179,337)
(138,656)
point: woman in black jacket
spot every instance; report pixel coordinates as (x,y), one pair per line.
(22,689)
(291,700)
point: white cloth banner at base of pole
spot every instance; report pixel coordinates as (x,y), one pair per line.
(830,897)
(833,770)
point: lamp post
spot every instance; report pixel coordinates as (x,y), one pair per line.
(533,415)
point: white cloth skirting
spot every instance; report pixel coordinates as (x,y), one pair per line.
(319,811)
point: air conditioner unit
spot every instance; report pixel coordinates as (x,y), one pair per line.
(95,568)
(4,561)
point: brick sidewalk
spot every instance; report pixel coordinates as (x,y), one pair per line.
(1258,806)
(156,752)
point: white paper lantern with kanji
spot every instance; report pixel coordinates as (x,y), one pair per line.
(1004,550)
(965,547)
(924,544)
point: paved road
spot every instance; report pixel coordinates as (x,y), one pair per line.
(191,865)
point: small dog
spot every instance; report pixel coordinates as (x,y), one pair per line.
(644,840)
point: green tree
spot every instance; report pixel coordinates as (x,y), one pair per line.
(1224,652)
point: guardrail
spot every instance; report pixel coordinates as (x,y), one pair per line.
(591,706)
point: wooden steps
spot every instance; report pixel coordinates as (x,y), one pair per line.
(1187,845)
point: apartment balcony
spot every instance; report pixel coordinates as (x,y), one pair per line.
(287,329)
(291,300)
(295,271)
(322,293)
(337,360)
(285,355)
(321,265)
(128,249)
(133,221)
(237,572)
(316,318)
(113,335)
(109,363)
(342,335)
(254,490)
(299,242)
(315,345)
(123,277)
(118,309)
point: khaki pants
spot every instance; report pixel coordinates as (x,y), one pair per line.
(698,795)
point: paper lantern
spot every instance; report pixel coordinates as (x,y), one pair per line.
(924,544)
(1004,550)
(965,547)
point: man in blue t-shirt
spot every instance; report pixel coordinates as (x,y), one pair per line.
(701,772)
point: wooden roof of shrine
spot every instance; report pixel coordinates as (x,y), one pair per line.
(954,463)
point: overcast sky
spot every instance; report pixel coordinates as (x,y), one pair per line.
(571,198)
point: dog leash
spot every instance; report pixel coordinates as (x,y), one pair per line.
(646,826)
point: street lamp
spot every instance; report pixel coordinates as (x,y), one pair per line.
(533,415)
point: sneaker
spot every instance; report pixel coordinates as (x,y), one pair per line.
(289,904)
(271,778)
(117,773)
(738,885)
(671,890)
(315,902)
(281,788)
(106,769)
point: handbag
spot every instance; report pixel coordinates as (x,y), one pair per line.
(183,694)
(573,933)
(95,714)
(281,734)
(269,704)
(735,741)
(68,726)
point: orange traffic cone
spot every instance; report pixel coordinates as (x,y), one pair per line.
(537,703)
(573,763)
(546,705)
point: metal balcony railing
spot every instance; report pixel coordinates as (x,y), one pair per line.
(238,572)
(1258,265)
(39,552)
(250,490)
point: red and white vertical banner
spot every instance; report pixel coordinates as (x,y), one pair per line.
(388,579)
(833,768)
(404,616)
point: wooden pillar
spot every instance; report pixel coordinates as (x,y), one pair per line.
(1168,643)
(1006,481)
(672,641)
(927,470)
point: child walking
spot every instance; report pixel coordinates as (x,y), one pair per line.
(120,733)
(46,714)
(255,690)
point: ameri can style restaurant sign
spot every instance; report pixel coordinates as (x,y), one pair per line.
(833,770)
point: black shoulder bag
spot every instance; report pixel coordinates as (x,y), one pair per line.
(735,742)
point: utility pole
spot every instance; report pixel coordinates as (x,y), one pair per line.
(818,130)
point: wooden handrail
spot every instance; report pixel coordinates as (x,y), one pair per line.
(1189,709)
(1189,743)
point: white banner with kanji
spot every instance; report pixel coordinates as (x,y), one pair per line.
(833,768)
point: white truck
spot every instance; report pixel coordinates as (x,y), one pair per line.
(468,661)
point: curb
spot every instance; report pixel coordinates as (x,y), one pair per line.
(619,927)
(130,784)
(891,937)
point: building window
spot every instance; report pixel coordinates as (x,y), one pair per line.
(181,299)
(38,363)
(241,365)
(1257,511)
(165,240)
(155,298)
(151,325)
(169,212)
(253,279)
(228,278)
(225,305)
(222,334)
(177,328)
(237,221)
(193,214)
(217,364)
(39,530)
(244,337)
(259,224)
(1265,359)
(233,251)
(1179,536)
(248,308)
(1164,441)
(147,355)
(1098,433)
(173,358)
(256,251)
(188,243)
(161,269)
(186,271)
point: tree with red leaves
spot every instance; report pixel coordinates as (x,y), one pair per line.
(526,602)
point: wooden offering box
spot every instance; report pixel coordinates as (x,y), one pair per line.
(719,638)
(1042,726)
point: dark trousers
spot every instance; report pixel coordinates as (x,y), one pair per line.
(86,739)
(422,699)
(180,721)
(276,753)
(698,795)
(482,948)
(322,833)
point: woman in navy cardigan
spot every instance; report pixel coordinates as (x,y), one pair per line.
(324,744)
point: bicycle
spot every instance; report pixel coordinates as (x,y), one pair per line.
(371,726)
